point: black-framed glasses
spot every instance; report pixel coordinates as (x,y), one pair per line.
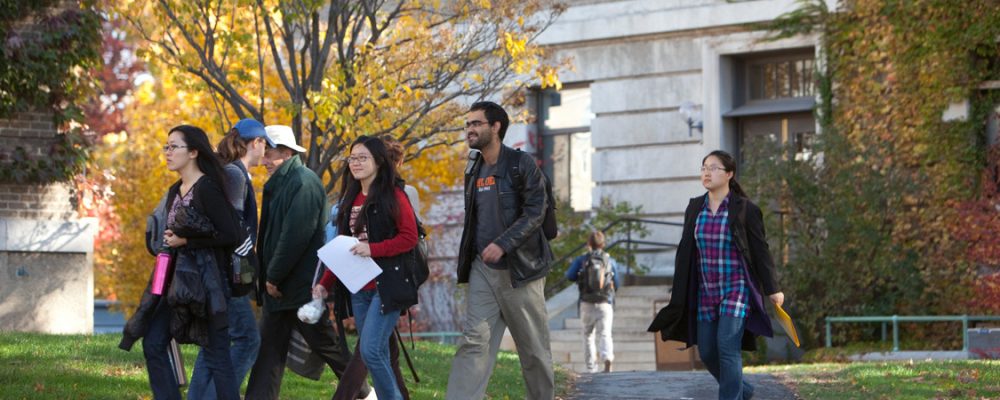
(169,148)
(358,158)
(475,124)
(712,169)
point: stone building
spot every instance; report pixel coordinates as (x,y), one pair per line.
(46,253)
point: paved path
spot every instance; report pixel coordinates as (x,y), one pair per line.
(664,385)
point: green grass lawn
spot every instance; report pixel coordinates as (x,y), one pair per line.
(36,366)
(891,380)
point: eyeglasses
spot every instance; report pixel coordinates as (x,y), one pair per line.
(475,124)
(358,159)
(169,148)
(712,169)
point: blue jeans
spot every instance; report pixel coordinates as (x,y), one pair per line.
(245,341)
(719,344)
(155,346)
(374,329)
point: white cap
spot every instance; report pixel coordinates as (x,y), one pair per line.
(282,135)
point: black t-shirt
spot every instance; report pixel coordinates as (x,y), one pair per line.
(489,226)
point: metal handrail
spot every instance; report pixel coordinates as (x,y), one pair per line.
(896,319)
(562,282)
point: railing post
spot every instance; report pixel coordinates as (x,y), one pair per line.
(628,247)
(829,341)
(965,334)
(884,334)
(895,333)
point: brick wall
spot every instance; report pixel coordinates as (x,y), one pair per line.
(50,202)
(36,133)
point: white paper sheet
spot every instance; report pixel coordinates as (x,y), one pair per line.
(353,271)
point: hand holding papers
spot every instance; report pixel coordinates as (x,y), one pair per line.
(786,322)
(352,270)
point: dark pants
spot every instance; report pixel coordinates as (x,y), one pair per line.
(354,378)
(719,344)
(245,340)
(275,333)
(161,376)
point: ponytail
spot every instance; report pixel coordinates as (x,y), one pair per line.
(735,188)
(232,147)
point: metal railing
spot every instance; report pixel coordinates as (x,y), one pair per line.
(896,319)
(630,250)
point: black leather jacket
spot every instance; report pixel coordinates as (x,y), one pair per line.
(526,251)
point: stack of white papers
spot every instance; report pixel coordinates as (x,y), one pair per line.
(352,270)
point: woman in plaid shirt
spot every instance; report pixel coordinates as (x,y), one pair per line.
(723,267)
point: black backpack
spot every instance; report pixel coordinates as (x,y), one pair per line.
(421,269)
(596,278)
(549,226)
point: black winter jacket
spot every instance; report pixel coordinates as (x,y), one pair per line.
(396,285)
(526,251)
(211,201)
(678,320)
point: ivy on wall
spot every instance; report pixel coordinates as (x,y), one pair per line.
(868,219)
(46,53)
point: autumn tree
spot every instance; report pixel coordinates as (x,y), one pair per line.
(868,223)
(348,68)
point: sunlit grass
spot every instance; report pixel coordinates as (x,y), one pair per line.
(36,366)
(891,380)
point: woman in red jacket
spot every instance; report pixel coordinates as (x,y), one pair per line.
(374,209)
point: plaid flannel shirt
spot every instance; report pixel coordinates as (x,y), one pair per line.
(722,289)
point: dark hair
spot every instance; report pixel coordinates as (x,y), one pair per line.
(208,163)
(494,113)
(729,164)
(383,188)
(232,147)
(395,149)
(596,240)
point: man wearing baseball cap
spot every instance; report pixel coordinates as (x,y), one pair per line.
(292,226)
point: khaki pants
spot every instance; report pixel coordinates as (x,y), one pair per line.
(494,305)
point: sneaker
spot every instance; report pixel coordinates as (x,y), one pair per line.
(607,366)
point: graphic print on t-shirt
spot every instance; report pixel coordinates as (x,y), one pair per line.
(363,235)
(486,184)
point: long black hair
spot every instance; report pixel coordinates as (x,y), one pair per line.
(207,161)
(729,165)
(382,190)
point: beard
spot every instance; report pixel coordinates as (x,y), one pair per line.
(479,141)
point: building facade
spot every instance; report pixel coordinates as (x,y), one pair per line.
(656,85)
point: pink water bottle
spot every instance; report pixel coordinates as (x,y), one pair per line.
(161,272)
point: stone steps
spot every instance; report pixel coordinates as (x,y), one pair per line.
(634,347)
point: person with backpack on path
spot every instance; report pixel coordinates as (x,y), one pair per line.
(596,274)
(504,256)
(243,147)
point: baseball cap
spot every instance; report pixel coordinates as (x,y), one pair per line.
(283,135)
(250,128)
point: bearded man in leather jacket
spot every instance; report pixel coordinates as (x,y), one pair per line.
(504,258)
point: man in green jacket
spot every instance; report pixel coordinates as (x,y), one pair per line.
(291,230)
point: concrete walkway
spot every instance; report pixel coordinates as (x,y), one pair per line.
(666,385)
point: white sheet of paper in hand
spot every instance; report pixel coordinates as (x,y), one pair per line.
(353,271)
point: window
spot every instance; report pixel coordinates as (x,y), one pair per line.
(564,121)
(781,78)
